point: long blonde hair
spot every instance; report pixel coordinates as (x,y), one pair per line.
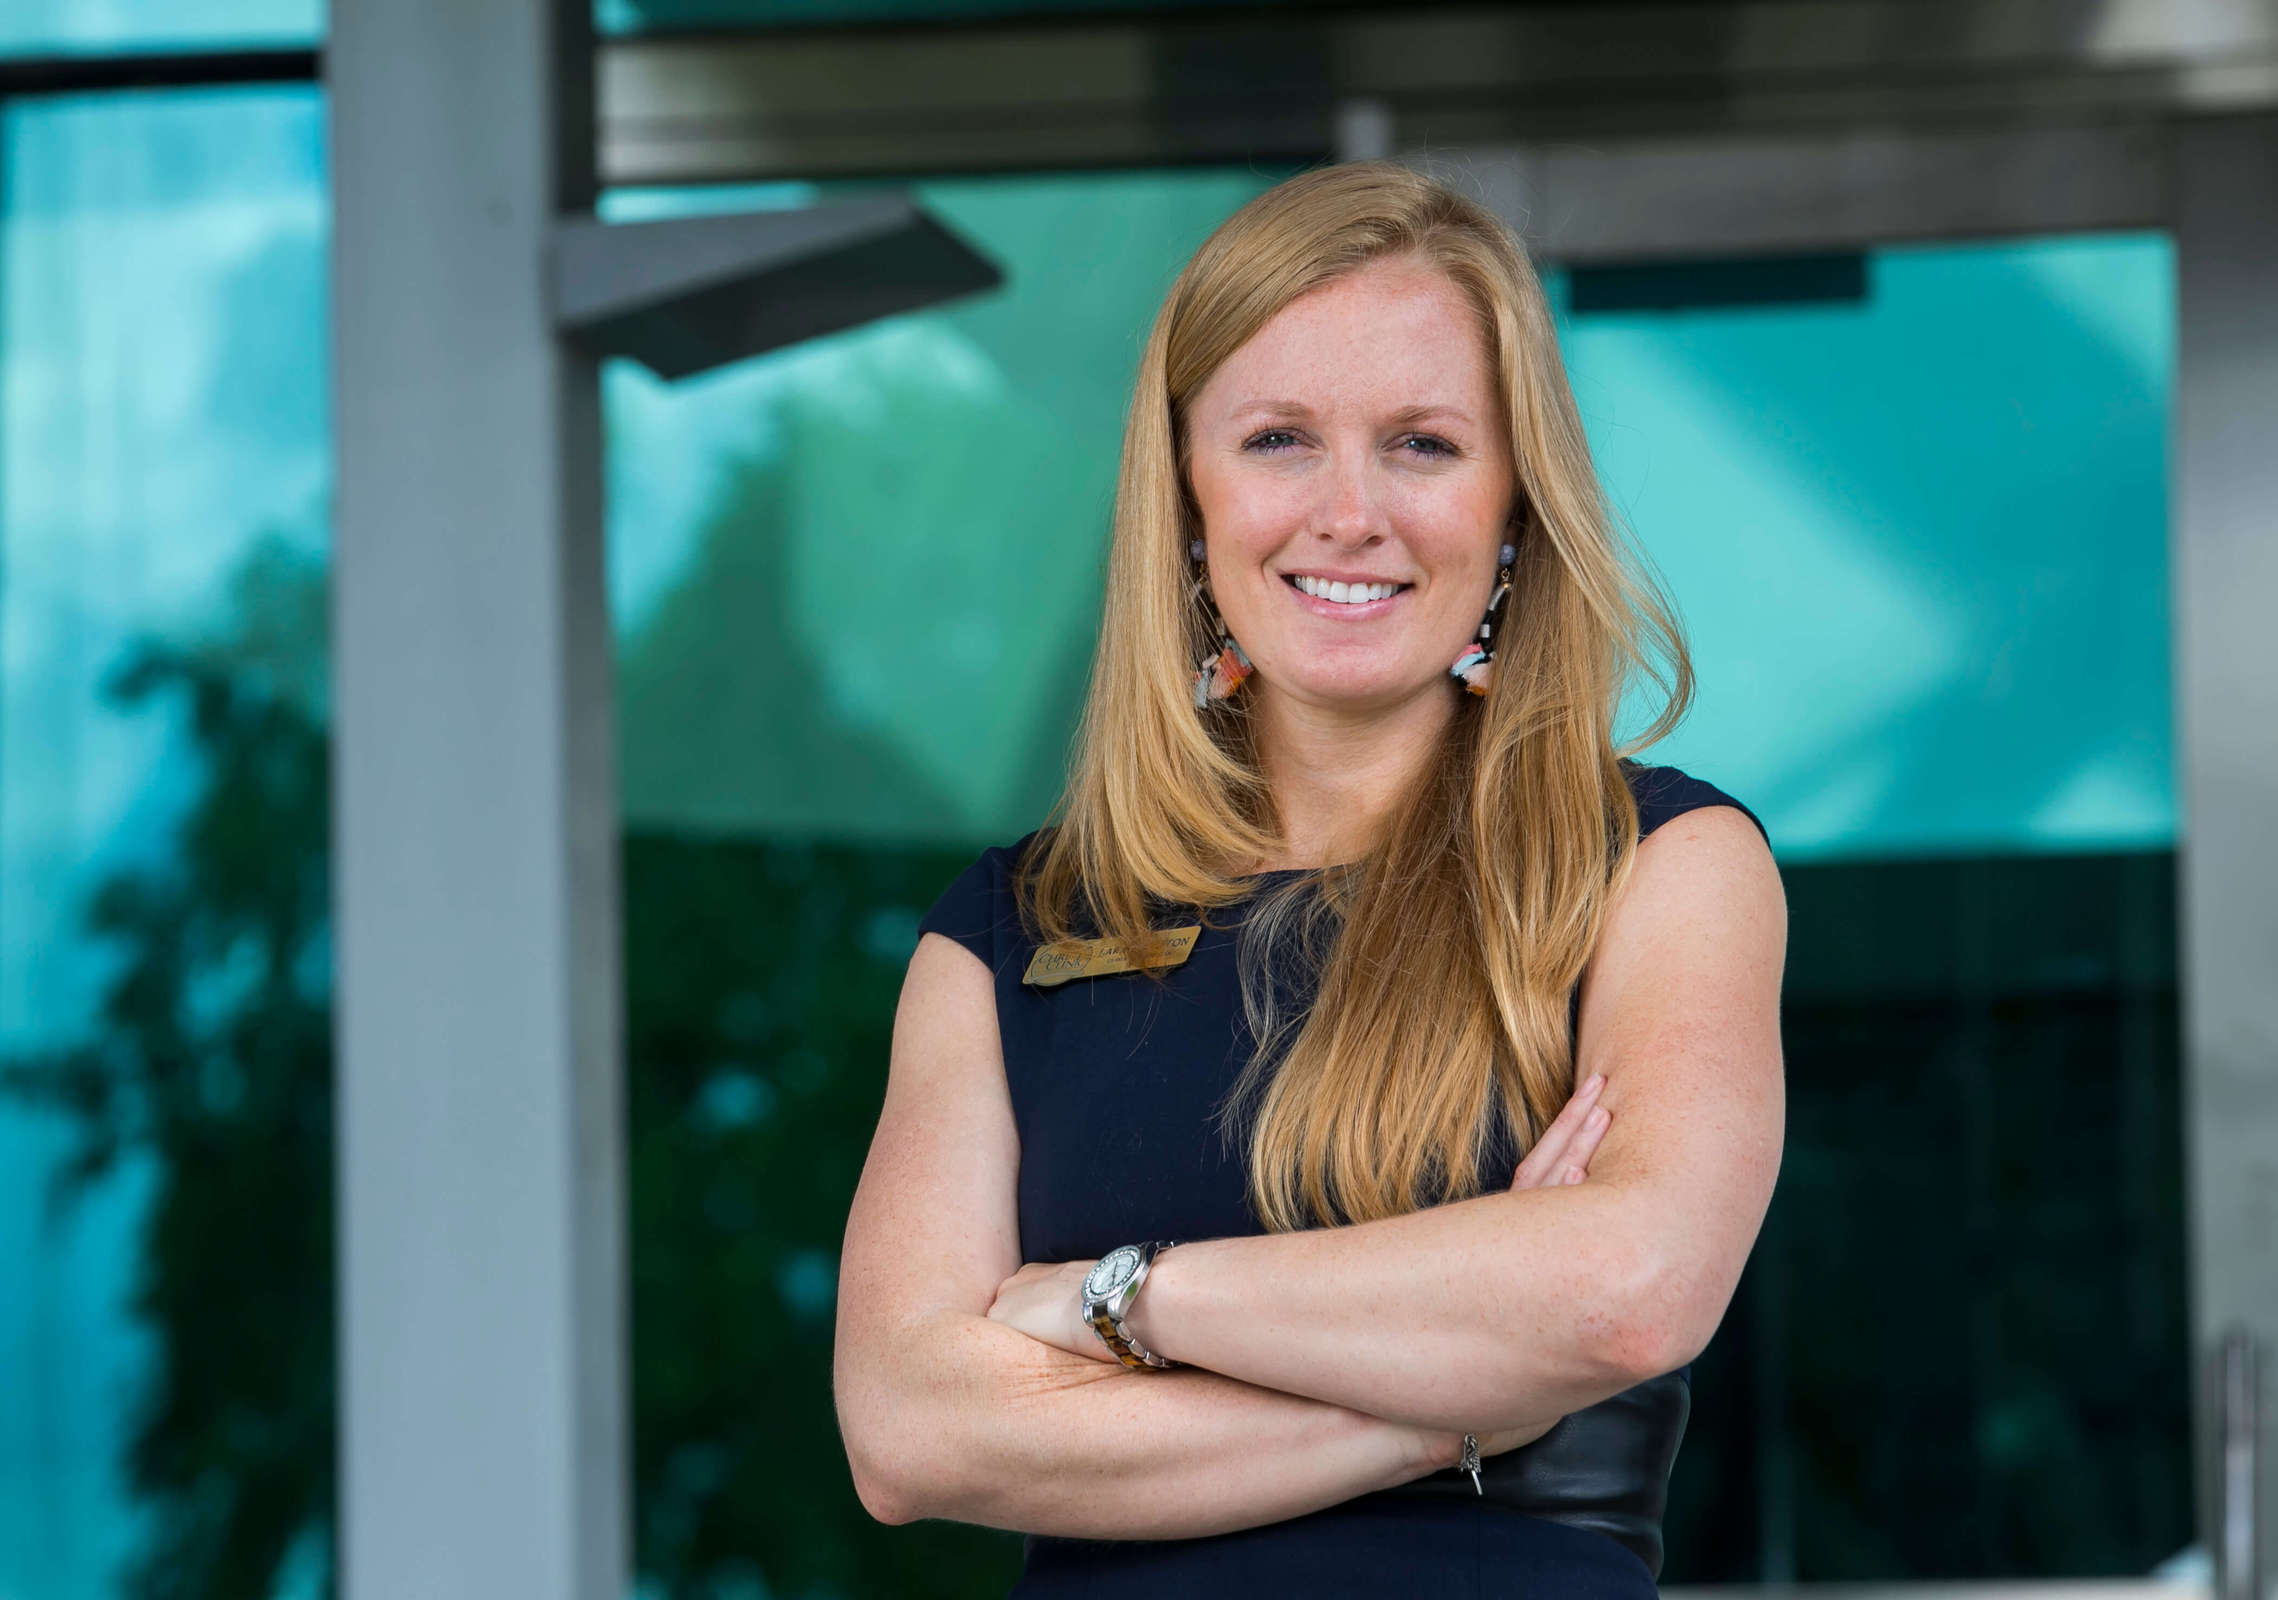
(1446,957)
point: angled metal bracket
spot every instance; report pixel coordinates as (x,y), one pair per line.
(685,294)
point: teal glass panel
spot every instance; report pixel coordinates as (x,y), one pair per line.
(1920,543)
(165,1192)
(111,27)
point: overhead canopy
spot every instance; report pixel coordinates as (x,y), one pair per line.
(682,295)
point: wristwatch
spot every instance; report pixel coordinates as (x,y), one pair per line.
(1110,1287)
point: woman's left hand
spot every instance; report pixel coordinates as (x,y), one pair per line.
(1562,1154)
(1045,1301)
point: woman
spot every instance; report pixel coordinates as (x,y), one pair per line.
(1290,1007)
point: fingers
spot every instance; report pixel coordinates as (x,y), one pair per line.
(1584,1145)
(1557,1149)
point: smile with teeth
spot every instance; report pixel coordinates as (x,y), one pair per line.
(1344,594)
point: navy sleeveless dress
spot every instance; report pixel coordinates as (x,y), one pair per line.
(1113,1083)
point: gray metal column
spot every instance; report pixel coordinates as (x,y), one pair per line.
(2225,529)
(481,1304)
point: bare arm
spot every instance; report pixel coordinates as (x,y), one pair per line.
(1513,1306)
(945,1413)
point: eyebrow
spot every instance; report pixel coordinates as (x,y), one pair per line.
(1401,418)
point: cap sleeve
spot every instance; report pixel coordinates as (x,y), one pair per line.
(977,909)
(1665,793)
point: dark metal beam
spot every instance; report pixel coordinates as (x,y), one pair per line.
(92,74)
(686,294)
(1758,194)
(1147,89)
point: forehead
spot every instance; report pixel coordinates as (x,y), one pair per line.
(1397,333)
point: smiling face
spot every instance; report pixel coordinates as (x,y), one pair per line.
(1353,470)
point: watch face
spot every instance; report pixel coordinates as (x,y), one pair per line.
(1113,1272)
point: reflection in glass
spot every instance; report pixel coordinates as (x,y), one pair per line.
(855,584)
(165,1340)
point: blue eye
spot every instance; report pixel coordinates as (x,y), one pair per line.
(1270,433)
(1439,446)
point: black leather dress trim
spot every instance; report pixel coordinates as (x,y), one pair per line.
(1604,1468)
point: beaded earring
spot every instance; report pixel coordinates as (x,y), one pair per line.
(1475,668)
(1221,672)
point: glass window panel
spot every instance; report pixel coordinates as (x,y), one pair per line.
(854,584)
(104,27)
(1943,508)
(165,1338)
(1984,1162)
(884,548)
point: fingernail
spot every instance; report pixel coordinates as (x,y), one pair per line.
(1597,1081)
(1598,1115)
(1573,1174)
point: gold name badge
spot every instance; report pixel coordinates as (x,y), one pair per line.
(1092,958)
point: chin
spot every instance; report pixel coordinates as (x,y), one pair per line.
(1360,690)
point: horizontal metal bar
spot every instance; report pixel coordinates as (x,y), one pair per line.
(93,74)
(1044,93)
(685,294)
(1757,194)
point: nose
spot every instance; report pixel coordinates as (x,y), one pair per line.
(1350,514)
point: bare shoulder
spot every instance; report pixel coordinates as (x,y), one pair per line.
(935,1212)
(1704,875)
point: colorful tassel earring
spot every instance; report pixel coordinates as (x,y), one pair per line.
(1221,672)
(1475,668)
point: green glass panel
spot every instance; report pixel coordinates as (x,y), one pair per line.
(1961,1348)
(857,581)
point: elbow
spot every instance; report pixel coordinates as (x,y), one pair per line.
(1660,1320)
(874,1427)
(887,1482)
(1640,1348)
(879,1496)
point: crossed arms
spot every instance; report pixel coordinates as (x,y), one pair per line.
(1324,1364)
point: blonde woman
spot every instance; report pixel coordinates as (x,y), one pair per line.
(1313,1163)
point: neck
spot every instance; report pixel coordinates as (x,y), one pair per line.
(1337,771)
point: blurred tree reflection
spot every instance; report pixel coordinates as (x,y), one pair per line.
(762,969)
(762,979)
(211,1056)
